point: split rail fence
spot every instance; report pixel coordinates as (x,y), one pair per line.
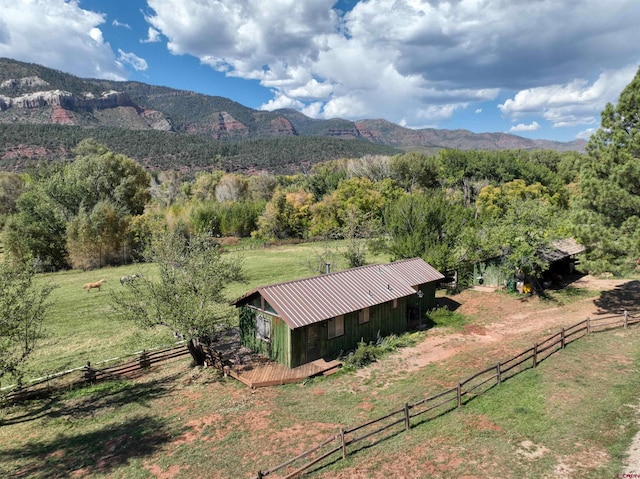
(92,373)
(350,440)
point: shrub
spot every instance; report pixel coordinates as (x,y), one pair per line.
(367,353)
(443,317)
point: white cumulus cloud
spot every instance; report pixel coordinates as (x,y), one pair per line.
(153,36)
(59,34)
(116,23)
(586,134)
(575,103)
(419,61)
(534,126)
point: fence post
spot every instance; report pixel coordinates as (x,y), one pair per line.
(89,373)
(498,373)
(407,424)
(260,475)
(343,443)
(535,355)
(626,319)
(459,394)
(563,341)
(145,362)
(588,325)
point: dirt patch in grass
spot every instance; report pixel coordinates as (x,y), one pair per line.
(500,318)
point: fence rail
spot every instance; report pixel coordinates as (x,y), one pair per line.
(449,399)
(88,373)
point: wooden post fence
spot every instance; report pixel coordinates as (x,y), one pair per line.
(145,362)
(407,424)
(503,370)
(89,373)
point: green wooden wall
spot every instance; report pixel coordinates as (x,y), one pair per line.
(278,349)
(289,347)
(491,273)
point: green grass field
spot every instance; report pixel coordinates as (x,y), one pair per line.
(572,416)
(81,326)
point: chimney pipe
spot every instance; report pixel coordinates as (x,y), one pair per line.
(327,268)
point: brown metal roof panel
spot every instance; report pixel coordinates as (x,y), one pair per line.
(415,270)
(311,300)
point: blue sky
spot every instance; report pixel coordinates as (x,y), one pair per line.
(535,68)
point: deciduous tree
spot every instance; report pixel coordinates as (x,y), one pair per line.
(23,309)
(37,231)
(425,225)
(188,294)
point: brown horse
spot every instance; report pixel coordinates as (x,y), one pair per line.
(97,284)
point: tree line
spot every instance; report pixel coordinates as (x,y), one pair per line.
(452,209)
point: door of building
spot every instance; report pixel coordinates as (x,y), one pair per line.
(313,342)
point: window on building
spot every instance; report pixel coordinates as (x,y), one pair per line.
(335,327)
(268,307)
(395,303)
(263,327)
(256,302)
(363,316)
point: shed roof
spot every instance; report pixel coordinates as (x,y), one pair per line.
(562,249)
(311,300)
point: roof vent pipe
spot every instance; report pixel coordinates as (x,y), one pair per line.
(327,267)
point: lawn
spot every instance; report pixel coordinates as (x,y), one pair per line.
(82,326)
(573,416)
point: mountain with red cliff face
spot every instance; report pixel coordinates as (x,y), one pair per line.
(35,94)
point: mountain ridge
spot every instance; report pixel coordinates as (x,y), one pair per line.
(32,94)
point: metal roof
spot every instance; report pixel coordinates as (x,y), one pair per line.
(311,300)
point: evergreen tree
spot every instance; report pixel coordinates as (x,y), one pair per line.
(607,213)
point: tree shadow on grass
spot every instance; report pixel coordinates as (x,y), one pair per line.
(79,448)
(91,400)
(625,297)
(96,452)
(448,303)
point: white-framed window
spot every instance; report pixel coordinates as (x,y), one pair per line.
(335,327)
(363,316)
(263,327)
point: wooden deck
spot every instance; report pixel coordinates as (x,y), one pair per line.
(272,374)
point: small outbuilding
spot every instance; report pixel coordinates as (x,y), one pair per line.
(561,257)
(300,321)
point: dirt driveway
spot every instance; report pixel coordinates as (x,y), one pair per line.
(505,320)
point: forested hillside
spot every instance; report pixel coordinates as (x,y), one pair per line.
(158,150)
(148,123)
